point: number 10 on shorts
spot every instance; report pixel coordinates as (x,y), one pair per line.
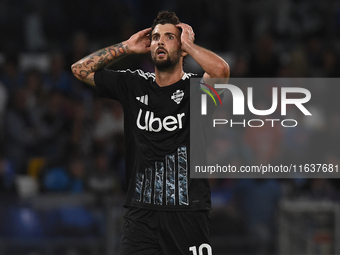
(193,249)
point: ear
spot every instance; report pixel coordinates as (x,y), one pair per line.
(184,53)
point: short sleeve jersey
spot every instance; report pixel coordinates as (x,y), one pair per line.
(156,128)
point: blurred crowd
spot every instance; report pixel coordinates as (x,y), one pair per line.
(56,130)
(52,126)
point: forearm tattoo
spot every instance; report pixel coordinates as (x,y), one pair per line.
(99,60)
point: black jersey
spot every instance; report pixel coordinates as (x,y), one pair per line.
(156,126)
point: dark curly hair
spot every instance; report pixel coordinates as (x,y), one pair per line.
(165,17)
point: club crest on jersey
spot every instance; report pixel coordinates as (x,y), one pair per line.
(177,96)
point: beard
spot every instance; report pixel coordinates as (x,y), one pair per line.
(167,63)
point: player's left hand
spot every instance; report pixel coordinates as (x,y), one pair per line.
(187,36)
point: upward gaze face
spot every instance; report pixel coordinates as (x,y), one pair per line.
(165,46)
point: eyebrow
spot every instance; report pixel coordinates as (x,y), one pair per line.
(166,33)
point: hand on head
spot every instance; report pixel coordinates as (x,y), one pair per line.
(187,35)
(139,42)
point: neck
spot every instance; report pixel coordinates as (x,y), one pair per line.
(169,76)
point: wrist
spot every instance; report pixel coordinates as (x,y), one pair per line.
(128,47)
(187,46)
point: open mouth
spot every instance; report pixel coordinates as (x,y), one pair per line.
(161,52)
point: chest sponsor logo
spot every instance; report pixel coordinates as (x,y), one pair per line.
(147,121)
(177,96)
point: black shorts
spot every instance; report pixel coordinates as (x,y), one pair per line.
(152,232)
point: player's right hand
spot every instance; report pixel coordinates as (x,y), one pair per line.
(139,42)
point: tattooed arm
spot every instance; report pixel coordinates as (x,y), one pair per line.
(85,68)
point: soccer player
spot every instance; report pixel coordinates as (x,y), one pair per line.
(167,211)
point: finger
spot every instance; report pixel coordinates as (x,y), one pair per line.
(146,31)
(189,28)
(148,43)
(185,25)
(180,25)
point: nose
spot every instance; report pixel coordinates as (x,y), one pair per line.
(160,41)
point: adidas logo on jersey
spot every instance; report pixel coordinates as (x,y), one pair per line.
(143,99)
(155,124)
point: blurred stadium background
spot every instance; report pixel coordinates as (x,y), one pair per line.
(62,148)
